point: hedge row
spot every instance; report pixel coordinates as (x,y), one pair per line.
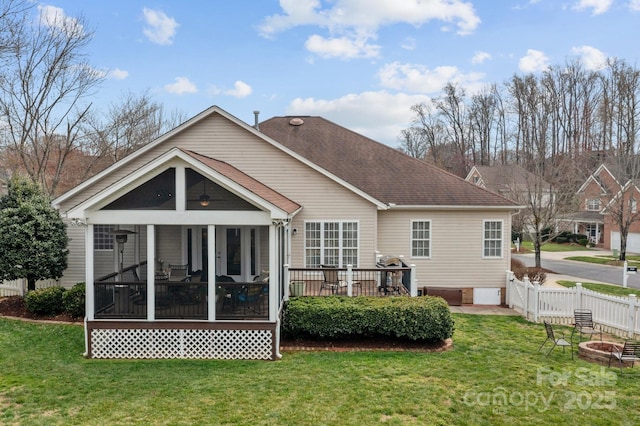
(56,300)
(417,318)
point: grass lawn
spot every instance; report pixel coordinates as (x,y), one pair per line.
(607,260)
(493,375)
(613,290)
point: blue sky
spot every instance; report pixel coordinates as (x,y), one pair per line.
(359,63)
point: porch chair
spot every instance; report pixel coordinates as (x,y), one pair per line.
(250,297)
(557,341)
(630,352)
(331,280)
(583,324)
(178,272)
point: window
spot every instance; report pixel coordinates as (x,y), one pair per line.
(492,241)
(420,238)
(593,204)
(331,243)
(102,237)
(633,205)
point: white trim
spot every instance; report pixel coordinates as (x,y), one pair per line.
(455,208)
(341,247)
(412,221)
(502,238)
(172,158)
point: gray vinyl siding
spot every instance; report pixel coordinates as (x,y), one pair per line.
(456,258)
(75,272)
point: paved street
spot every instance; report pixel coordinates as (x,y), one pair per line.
(576,271)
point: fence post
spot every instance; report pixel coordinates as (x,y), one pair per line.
(525,302)
(349,280)
(286,281)
(578,296)
(633,300)
(536,286)
(413,286)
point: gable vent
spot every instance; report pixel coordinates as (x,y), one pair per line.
(296,121)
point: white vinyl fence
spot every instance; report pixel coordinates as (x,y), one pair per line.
(19,287)
(616,315)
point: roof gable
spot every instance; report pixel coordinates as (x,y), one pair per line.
(220,172)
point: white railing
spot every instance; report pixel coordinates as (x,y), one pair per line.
(19,287)
(616,315)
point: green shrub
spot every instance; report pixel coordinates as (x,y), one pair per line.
(416,318)
(73,300)
(45,301)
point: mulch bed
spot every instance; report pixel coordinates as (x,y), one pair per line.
(14,307)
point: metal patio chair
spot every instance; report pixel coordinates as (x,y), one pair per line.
(331,280)
(583,324)
(630,352)
(557,341)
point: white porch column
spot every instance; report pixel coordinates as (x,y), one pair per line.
(211,272)
(88,271)
(274,272)
(151,272)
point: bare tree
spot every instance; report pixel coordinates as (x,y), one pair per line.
(42,92)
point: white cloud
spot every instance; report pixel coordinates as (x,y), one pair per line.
(359,21)
(54,17)
(592,58)
(341,47)
(181,86)
(634,5)
(118,74)
(378,115)
(410,43)
(479,57)
(598,6)
(534,61)
(159,27)
(420,79)
(240,90)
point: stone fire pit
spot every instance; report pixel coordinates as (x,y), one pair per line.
(598,352)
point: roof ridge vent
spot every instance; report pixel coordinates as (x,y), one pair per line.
(296,121)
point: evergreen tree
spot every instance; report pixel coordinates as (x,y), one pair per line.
(33,238)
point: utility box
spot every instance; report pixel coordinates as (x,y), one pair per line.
(453,296)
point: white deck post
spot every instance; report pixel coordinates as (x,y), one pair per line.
(413,286)
(287,274)
(349,280)
(274,276)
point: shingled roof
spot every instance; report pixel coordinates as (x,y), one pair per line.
(377,169)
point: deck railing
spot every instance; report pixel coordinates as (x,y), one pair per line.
(351,281)
(181,300)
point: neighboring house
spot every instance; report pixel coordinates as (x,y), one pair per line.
(513,182)
(599,198)
(241,203)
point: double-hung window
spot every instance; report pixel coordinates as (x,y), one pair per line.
(331,243)
(421,238)
(492,239)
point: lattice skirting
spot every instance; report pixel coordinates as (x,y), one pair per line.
(181,343)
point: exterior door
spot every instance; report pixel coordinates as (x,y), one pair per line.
(237,255)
